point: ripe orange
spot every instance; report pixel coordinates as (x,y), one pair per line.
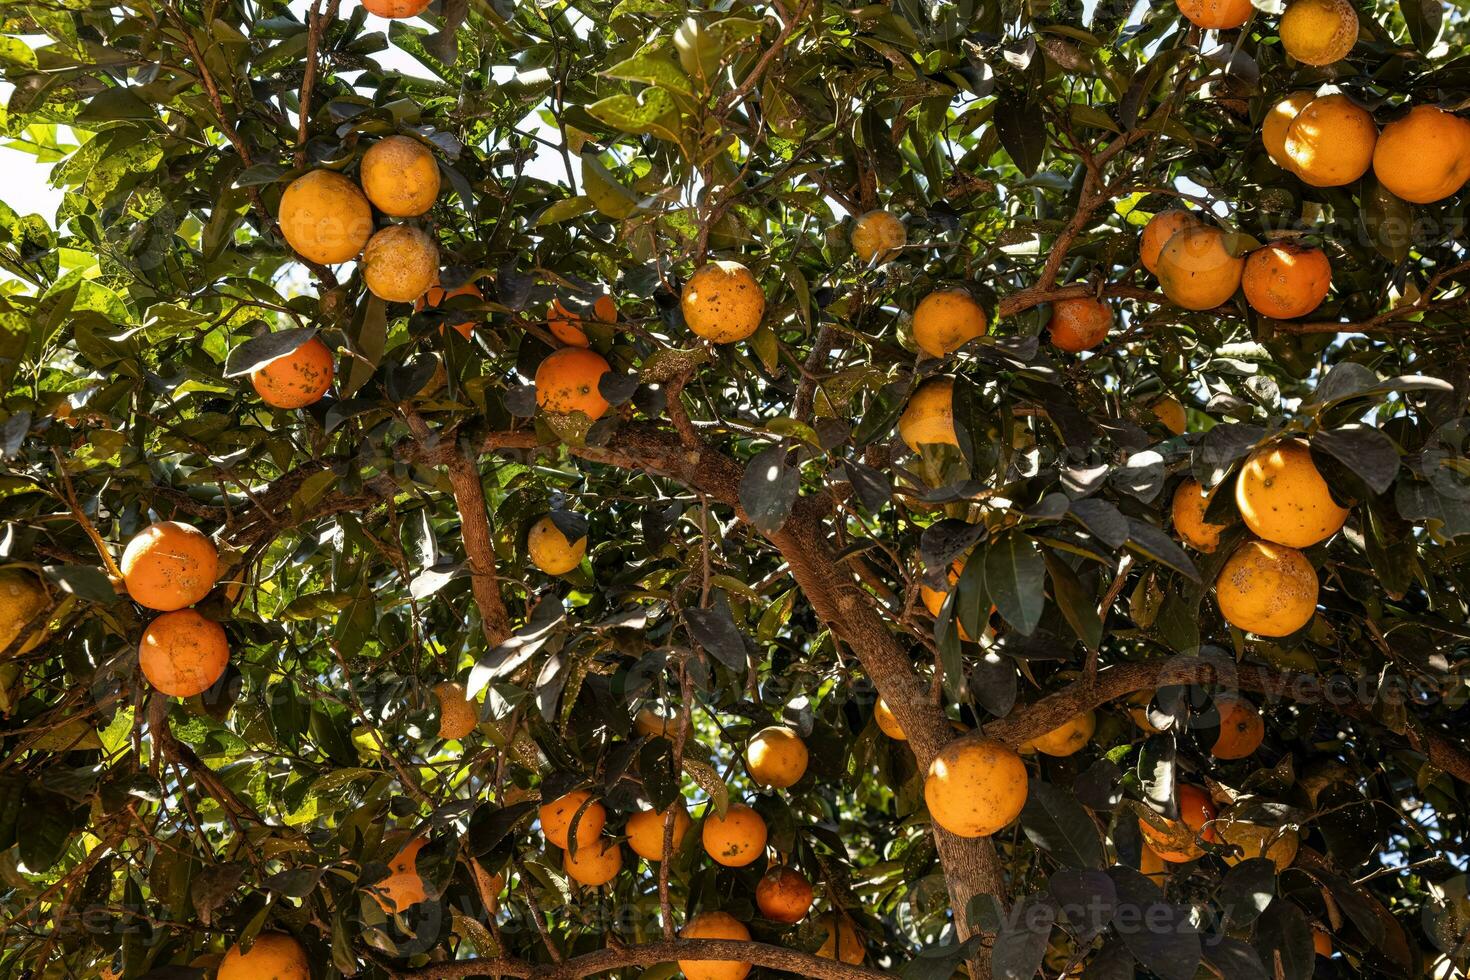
(404,886)
(1279,844)
(1156,234)
(1188,509)
(1215,15)
(1241,728)
(550,550)
(646,832)
(1079,324)
(784,895)
(182,653)
(458,715)
(1267,589)
(1151,866)
(400,263)
(396,8)
(928,418)
(651,721)
(1424,156)
(556,819)
(325,217)
(1168,410)
(843,942)
(946,320)
(1284,281)
(934,599)
(1330,142)
(722,302)
(776,756)
(594,864)
(1318,32)
(1069,737)
(736,839)
(22,599)
(1180,844)
(1283,498)
(714,925)
(273,954)
(1278,121)
(566,382)
(887,723)
(1196,270)
(1321,942)
(562,323)
(297,379)
(437,294)
(399,175)
(169,565)
(975,786)
(878,234)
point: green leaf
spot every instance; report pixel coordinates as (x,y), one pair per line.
(1015,578)
(650,112)
(371,336)
(607,195)
(565,210)
(1054,821)
(116,103)
(653,67)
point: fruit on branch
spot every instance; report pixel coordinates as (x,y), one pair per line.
(878,234)
(556,818)
(975,786)
(1156,234)
(1079,324)
(325,217)
(933,599)
(567,381)
(1188,510)
(1215,15)
(1319,32)
(1267,589)
(550,550)
(182,653)
(403,888)
(458,715)
(1196,269)
(400,263)
(1241,728)
(1285,280)
(776,757)
(928,418)
(1137,705)
(1330,142)
(946,320)
(646,831)
(1170,411)
(1423,156)
(715,925)
(273,954)
(722,302)
(396,9)
(1283,498)
(22,599)
(169,565)
(1069,737)
(843,942)
(1181,842)
(652,722)
(736,839)
(400,176)
(436,294)
(887,723)
(593,864)
(1278,121)
(1278,844)
(784,895)
(295,379)
(565,324)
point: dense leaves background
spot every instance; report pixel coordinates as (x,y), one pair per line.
(605,147)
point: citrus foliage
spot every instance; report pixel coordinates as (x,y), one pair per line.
(666,545)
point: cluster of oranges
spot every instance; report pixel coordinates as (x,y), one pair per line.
(170,566)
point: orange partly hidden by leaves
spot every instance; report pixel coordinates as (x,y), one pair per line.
(1196,269)
(646,832)
(1241,728)
(273,954)
(1188,510)
(437,294)
(169,565)
(1330,142)
(1156,234)
(556,818)
(182,653)
(594,864)
(400,176)
(946,320)
(1179,845)
(404,886)
(715,925)
(1284,498)
(1284,281)
(928,418)
(396,8)
(843,942)
(1278,121)
(1069,737)
(567,380)
(1170,411)
(458,715)
(297,379)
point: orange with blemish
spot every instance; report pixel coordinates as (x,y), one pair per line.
(169,565)
(567,381)
(296,379)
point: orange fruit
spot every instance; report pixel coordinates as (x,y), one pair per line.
(946,320)
(1330,142)
(399,175)
(458,715)
(273,954)
(436,294)
(400,263)
(1241,728)
(887,723)
(1079,324)
(297,379)
(776,756)
(325,218)
(1137,707)
(396,8)
(1180,844)
(1156,234)
(975,786)
(1318,32)
(1196,270)
(556,819)
(593,864)
(1168,410)
(169,565)
(1069,737)
(928,418)
(550,550)
(1257,840)
(1278,121)
(1188,509)
(1424,156)
(736,839)
(934,599)
(1283,497)
(1321,942)
(1215,15)
(843,942)
(722,302)
(22,598)
(182,653)
(784,895)
(651,721)
(1267,589)
(1151,866)
(562,323)
(404,886)
(878,234)
(1284,281)
(714,925)
(566,382)
(646,832)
